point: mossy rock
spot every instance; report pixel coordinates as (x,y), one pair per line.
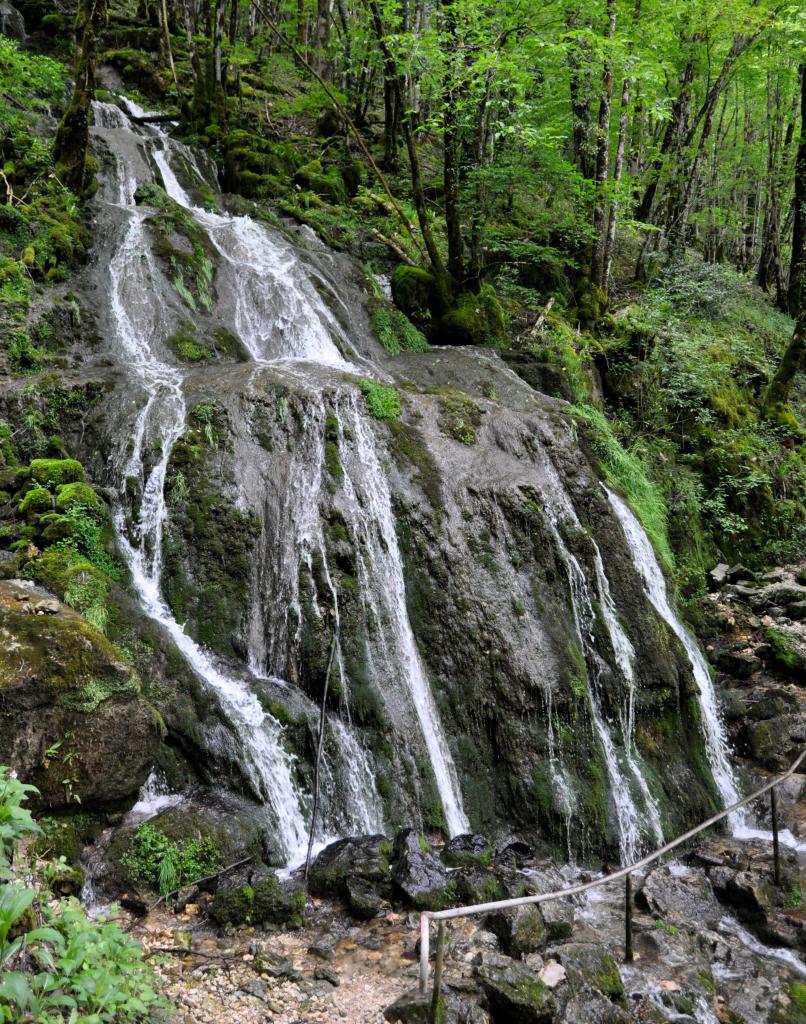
(415,293)
(325,183)
(72,721)
(78,494)
(589,965)
(35,502)
(52,472)
(266,902)
(476,320)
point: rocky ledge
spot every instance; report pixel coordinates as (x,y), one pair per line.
(352,954)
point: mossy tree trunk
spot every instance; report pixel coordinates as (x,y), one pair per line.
(70,148)
(797,272)
(791,363)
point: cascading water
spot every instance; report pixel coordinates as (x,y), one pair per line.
(279,316)
(655,585)
(383,589)
(634,820)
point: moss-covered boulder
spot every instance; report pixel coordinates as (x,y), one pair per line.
(477,319)
(590,966)
(415,292)
(420,878)
(516,995)
(72,719)
(52,472)
(262,900)
(324,182)
(362,857)
(520,930)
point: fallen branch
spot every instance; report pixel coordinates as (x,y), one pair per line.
(198,881)
(154,118)
(401,255)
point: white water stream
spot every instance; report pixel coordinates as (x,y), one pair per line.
(650,571)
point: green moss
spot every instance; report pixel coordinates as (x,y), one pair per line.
(414,291)
(784,649)
(36,501)
(78,494)
(52,472)
(397,333)
(477,319)
(383,402)
(326,183)
(332,458)
(797,993)
(460,416)
(185,346)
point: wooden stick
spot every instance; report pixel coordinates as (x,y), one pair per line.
(628,951)
(198,881)
(437,993)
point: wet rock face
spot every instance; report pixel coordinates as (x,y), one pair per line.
(72,720)
(757,642)
(418,874)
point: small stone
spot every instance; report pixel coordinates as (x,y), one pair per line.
(718,576)
(324,973)
(47,607)
(670,986)
(552,974)
(323,948)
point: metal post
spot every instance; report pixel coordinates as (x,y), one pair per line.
(776,853)
(432,1016)
(424,953)
(628,953)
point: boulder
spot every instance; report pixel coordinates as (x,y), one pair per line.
(718,576)
(521,930)
(797,610)
(679,897)
(589,966)
(592,1008)
(419,876)
(467,850)
(738,573)
(363,898)
(73,721)
(414,1008)
(558,915)
(736,664)
(265,900)
(516,995)
(514,854)
(478,885)
(365,857)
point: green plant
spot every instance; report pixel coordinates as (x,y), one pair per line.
(74,969)
(383,402)
(397,333)
(15,820)
(167,864)
(664,926)
(794,899)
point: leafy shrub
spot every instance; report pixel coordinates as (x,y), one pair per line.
(383,402)
(166,864)
(397,333)
(74,969)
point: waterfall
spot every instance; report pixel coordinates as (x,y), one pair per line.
(650,572)
(395,654)
(634,819)
(264,292)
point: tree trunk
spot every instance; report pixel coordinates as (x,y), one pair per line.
(600,215)
(72,140)
(791,362)
(453,219)
(796,295)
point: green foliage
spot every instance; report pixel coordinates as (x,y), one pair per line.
(15,820)
(383,402)
(88,970)
(53,472)
(166,864)
(626,470)
(396,332)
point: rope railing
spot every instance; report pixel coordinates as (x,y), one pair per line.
(573,890)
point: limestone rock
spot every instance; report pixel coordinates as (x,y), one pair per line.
(419,876)
(516,995)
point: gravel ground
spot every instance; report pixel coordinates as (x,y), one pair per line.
(253,976)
